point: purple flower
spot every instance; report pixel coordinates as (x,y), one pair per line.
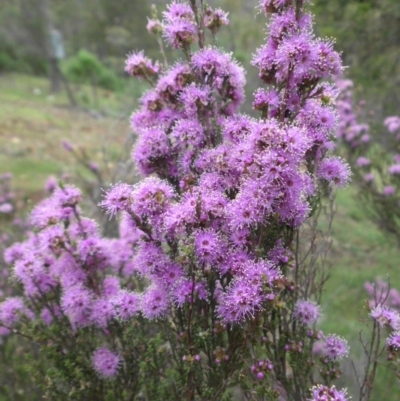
(241,301)
(279,254)
(76,303)
(168,274)
(369,177)
(155,302)
(208,246)
(261,368)
(140,66)
(394,169)
(392,123)
(152,150)
(46,212)
(178,10)
(151,197)
(154,26)
(298,52)
(126,304)
(180,33)
(150,258)
(335,347)
(93,166)
(329,61)
(386,316)
(266,99)
(48,314)
(93,253)
(363,161)
(6,208)
(214,19)
(334,170)
(51,184)
(10,310)
(67,196)
(388,190)
(117,199)
(194,99)
(393,341)
(106,362)
(307,312)
(188,133)
(324,393)
(186,291)
(270,6)
(102,312)
(67,145)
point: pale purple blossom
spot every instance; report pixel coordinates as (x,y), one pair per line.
(138,65)
(386,317)
(306,312)
(325,393)
(106,362)
(334,347)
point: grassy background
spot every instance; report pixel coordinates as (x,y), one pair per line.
(33,123)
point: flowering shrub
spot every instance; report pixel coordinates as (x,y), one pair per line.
(211,288)
(375,163)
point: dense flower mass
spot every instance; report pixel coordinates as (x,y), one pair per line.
(229,176)
(206,244)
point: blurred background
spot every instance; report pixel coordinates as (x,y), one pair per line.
(65,103)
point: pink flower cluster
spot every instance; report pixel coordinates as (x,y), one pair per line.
(223,177)
(209,223)
(69,264)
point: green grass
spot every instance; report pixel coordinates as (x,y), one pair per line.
(33,123)
(360,253)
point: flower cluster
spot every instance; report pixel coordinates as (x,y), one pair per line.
(180,27)
(261,368)
(68,256)
(206,238)
(230,176)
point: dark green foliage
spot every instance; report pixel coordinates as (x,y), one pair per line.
(16,381)
(85,67)
(12,60)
